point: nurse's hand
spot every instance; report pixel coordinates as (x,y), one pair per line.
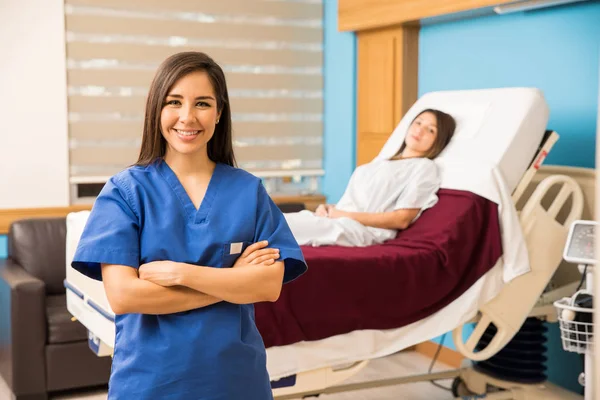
(257,254)
(163,273)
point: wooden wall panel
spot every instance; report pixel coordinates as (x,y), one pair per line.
(368,146)
(375,91)
(387,85)
(407,61)
(356,15)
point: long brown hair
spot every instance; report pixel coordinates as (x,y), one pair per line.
(445,129)
(154,145)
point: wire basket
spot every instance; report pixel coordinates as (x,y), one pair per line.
(576,334)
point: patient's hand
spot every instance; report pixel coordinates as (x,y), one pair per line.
(321,210)
(336,213)
(324,210)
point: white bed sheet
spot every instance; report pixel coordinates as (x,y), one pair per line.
(369,344)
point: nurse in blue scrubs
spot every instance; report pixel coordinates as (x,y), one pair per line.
(185,243)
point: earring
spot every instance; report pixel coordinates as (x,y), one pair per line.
(217,121)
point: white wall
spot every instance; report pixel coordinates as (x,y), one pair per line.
(33,105)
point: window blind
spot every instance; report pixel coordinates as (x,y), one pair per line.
(271,52)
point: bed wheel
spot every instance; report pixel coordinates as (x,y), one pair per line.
(459,388)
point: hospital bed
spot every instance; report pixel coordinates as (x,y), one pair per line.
(470,259)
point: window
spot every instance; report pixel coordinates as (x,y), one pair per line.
(272,55)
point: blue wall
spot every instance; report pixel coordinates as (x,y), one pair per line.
(339,103)
(555,49)
(3,246)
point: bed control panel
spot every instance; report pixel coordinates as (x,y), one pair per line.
(580,245)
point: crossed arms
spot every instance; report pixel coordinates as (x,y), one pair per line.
(165,287)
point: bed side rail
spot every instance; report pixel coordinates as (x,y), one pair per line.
(545,236)
(548,141)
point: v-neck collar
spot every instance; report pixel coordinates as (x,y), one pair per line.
(197,216)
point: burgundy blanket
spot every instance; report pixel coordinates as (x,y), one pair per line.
(406,279)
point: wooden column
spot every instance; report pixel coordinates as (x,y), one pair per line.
(387,84)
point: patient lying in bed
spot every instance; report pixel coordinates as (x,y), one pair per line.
(383,196)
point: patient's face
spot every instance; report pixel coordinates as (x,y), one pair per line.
(422,133)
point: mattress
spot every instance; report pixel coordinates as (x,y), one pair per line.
(422,270)
(367,344)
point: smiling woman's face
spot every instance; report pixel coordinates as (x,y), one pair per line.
(189,115)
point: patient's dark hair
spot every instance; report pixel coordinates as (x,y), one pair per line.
(445,129)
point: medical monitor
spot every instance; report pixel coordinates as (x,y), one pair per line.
(580,246)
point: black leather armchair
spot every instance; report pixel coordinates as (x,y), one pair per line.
(41,349)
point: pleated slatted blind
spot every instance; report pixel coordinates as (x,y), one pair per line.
(271,51)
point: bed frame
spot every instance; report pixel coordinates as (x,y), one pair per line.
(545,231)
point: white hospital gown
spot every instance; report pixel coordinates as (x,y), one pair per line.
(380,186)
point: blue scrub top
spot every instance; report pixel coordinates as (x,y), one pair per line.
(144,214)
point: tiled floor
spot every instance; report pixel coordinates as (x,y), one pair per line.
(400,364)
